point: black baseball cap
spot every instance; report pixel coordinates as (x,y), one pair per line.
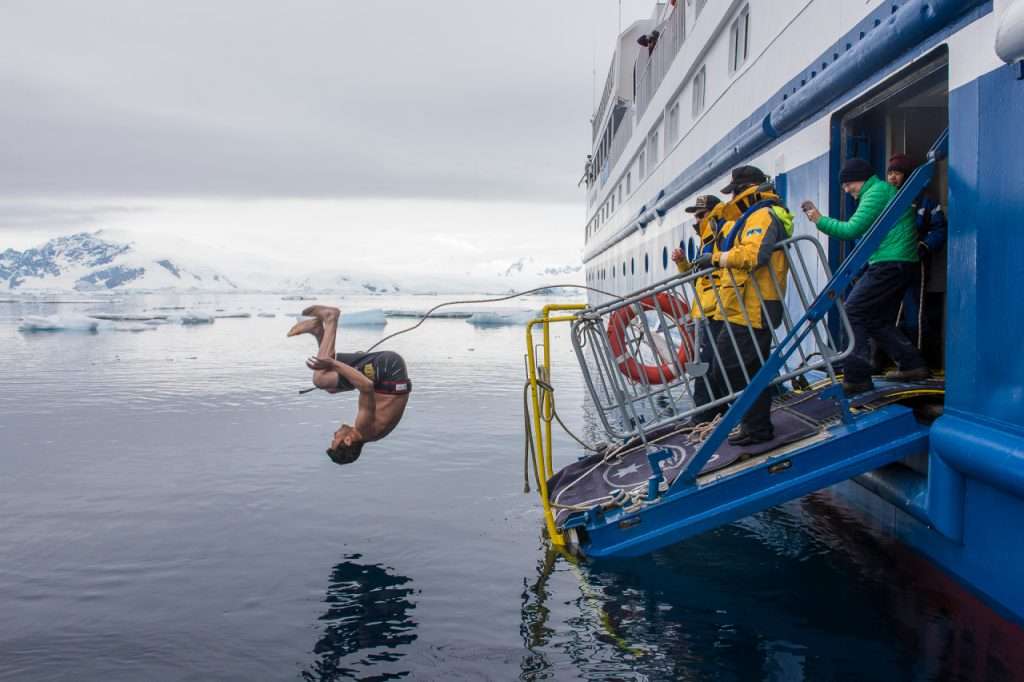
(704,202)
(743,176)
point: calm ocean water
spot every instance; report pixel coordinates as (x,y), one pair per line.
(167,512)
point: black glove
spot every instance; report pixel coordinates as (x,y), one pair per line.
(701,262)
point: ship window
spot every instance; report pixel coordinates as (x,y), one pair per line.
(629,182)
(664,258)
(647,263)
(739,40)
(672,127)
(620,192)
(652,150)
(632,266)
(642,165)
(623,268)
(700,88)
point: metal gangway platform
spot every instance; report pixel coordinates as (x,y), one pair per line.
(667,471)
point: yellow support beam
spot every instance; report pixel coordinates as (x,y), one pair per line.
(545,410)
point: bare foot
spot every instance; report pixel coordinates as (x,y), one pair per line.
(321,312)
(313,326)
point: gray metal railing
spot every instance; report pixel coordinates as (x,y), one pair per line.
(650,70)
(598,120)
(640,357)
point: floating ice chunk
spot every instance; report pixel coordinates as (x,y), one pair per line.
(58,323)
(192,317)
(266,314)
(440,314)
(500,319)
(121,317)
(374,317)
(233,316)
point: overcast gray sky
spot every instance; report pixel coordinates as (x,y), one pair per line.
(459,100)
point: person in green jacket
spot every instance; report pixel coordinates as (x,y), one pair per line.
(873,303)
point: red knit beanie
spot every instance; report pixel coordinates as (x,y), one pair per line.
(901,163)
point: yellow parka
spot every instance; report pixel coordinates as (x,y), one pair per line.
(707,229)
(748,259)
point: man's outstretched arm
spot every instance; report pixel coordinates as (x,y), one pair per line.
(367,409)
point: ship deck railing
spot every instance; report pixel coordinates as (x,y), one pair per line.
(651,69)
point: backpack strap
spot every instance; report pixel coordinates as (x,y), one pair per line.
(742,221)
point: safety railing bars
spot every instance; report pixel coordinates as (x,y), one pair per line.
(829,298)
(639,358)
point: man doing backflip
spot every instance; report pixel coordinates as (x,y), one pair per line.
(381,379)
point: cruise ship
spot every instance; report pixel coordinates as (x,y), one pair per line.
(797,87)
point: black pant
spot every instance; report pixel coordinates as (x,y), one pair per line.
(758,419)
(706,353)
(872,307)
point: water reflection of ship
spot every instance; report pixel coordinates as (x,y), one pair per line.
(366,624)
(959,637)
(694,612)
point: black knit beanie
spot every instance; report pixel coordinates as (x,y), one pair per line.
(855,170)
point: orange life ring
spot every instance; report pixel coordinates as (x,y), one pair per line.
(674,308)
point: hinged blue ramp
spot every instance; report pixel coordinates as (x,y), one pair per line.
(741,488)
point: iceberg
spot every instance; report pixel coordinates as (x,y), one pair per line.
(58,323)
(501,319)
(374,317)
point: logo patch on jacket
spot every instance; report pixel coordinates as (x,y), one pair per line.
(369,371)
(756,230)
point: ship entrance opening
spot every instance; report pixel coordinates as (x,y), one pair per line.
(903,115)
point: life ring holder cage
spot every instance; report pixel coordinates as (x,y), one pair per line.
(638,352)
(628,330)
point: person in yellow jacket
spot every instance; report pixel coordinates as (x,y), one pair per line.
(707,210)
(752,288)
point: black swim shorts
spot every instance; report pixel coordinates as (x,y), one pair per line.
(385,368)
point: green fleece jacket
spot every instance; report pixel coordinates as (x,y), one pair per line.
(901,242)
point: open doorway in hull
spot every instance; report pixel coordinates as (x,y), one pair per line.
(904,115)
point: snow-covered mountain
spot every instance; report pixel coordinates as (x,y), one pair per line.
(105,261)
(87,262)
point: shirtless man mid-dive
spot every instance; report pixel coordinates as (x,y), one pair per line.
(380,378)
